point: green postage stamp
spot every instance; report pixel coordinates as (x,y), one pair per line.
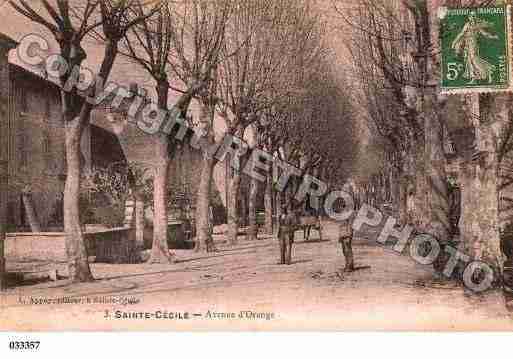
(475,49)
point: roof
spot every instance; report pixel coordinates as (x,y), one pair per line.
(7,41)
(18,70)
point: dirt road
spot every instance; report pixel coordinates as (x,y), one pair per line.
(243,287)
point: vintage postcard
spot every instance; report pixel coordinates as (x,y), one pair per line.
(255,165)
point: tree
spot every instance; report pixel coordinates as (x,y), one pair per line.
(182,41)
(382,47)
(275,128)
(394,46)
(198,56)
(3,229)
(396,59)
(204,194)
(70,22)
(149,44)
(271,38)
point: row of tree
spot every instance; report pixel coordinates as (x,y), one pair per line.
(422,136)
(261,66)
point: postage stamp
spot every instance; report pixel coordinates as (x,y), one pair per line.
(475,49)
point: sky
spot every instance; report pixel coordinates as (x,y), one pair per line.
(17,26)
(124,72)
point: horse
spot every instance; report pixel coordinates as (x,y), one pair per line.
(306,223)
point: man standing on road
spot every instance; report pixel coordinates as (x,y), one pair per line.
(287,227)
(346,232)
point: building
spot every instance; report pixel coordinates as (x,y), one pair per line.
(33,143)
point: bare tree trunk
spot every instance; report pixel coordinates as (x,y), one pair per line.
(468,205)
(243,196)
(203,225)
(253,227)
(467,181)
(486,244)
(4,164)
(30,211)
(506,198)
(137,217)
(3,201)
(410,187)
(278,202)
(268,203)
(479,223)
(438,224)
(76,117)
(403,196)
(395,192)
(421,188)
(160,249)
(78,264)
(2,255)
(233,215)
(139,223)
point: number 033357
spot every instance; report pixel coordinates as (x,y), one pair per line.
(24,345)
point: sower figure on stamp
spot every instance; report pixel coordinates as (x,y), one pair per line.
(288,222)
(346,231)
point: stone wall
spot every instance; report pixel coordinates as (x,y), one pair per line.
(107,246)
(35,246)
(116,245)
